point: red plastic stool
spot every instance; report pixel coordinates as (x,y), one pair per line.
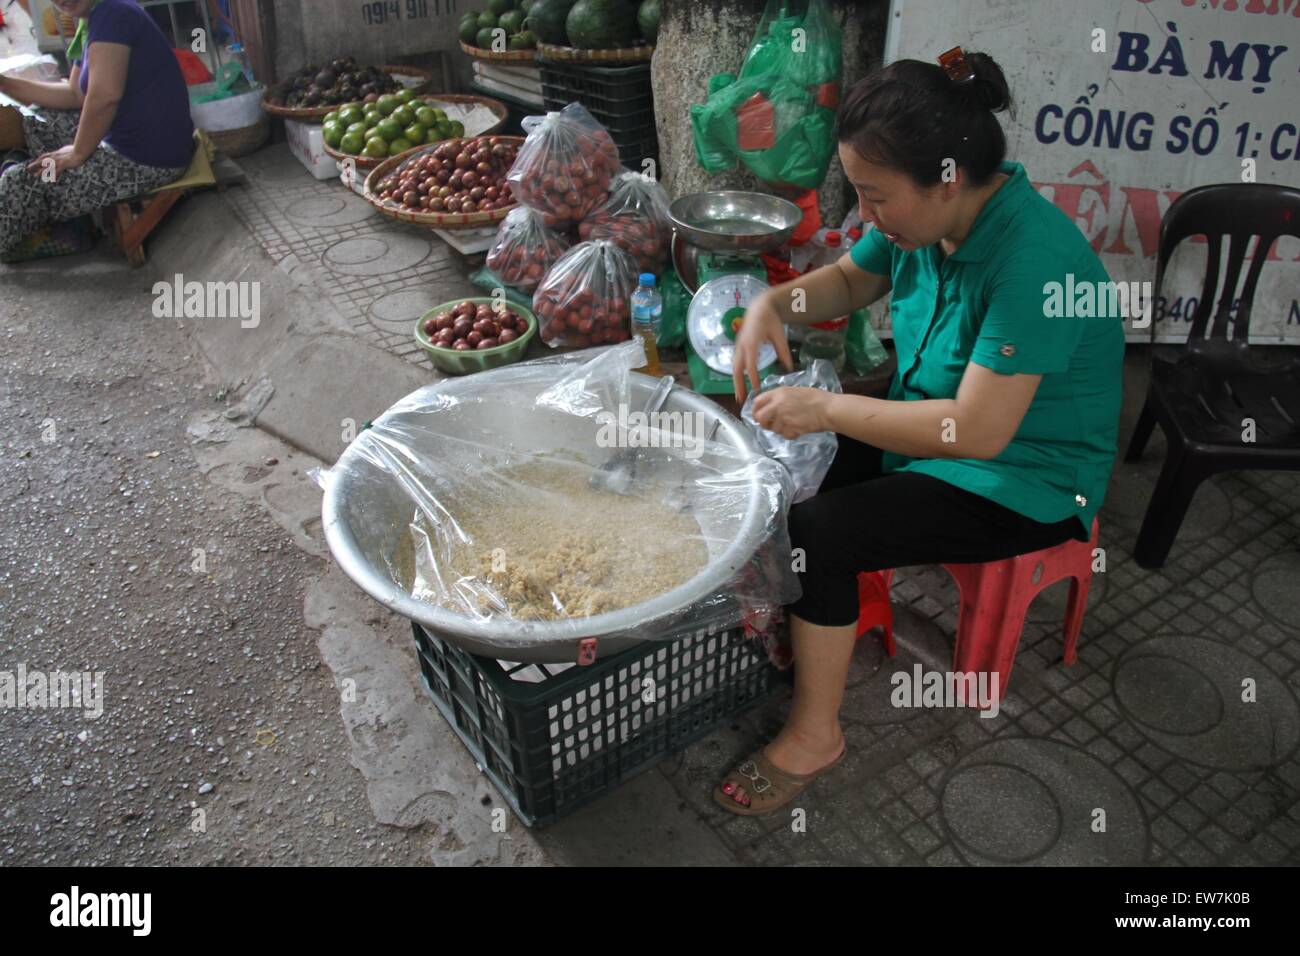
(994,599)
(874,609)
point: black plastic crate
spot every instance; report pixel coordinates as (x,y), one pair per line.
(619,98)
(555,736)
(623,89)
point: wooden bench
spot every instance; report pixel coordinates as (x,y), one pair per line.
(130,222)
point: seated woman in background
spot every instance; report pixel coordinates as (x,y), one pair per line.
(120,126)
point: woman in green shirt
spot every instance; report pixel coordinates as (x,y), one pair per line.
(999,431)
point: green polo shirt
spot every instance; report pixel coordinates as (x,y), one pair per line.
(991,303)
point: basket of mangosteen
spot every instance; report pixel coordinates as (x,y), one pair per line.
(315,91)
(457,184)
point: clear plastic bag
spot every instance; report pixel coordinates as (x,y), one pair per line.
(636,218)
(586,298)
(565,167)
(468,506)
(524,249)
(807,458)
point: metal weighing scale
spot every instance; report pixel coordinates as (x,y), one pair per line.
(717,238)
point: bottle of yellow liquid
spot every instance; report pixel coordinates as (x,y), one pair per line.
(647,314)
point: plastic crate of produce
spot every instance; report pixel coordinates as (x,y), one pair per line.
(552,737)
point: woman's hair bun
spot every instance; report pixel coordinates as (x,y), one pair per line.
(989,89)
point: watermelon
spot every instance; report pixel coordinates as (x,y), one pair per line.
(500,6)
(602,24)
(469,29)
(546,18)
(512,21)
(647,19)
(484,38)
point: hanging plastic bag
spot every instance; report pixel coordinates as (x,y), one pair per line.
(565,167)
(469,507)
(586,297)
(777,116)
(524,249)
(635,217)
(807,458)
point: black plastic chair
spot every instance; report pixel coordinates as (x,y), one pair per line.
(1202,391)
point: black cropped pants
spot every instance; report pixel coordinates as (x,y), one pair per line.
(862,520)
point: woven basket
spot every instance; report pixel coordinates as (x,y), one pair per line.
(314,114)
(434,220)
(425,77)
(241,142)
(499,110)
(632,54)
(507,56)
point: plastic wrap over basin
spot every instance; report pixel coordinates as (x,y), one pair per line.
(365,513)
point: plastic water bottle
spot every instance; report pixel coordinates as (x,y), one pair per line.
(647,314)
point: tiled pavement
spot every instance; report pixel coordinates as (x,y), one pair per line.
(1143,752)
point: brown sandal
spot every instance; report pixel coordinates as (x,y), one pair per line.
(768,786)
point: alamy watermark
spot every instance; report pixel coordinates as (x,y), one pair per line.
(922,688)
(637,429)
(179,299)
(38,690)
(1099,300)
(76,909)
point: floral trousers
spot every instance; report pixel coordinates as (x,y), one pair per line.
(28,201)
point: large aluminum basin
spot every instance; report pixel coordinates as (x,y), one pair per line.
(365,509)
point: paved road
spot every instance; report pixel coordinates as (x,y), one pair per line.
(215,697)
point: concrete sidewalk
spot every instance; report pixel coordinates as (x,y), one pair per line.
(1149,726)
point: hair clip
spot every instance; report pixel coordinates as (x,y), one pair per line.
(955,64)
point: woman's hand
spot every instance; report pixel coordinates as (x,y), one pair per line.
(63,158)
(762,324)
(791,412)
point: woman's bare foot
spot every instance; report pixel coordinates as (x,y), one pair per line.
(796,752)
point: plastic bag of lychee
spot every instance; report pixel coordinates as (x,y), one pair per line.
(565,166)
(636,217)
(586,297)
(524,249)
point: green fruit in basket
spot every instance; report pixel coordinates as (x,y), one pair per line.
(546,18)
(455,129)
(351,143)
(405,95)
(426,117)
(376,147)
(351,114)
(387,103)
(500,6)
(331,117)
(333,134)
(469,29)
(441,114)
(443,129)
(487,20)
(416,133)
(602,24)
(483,39)
(358,128)
(403,116)
(399,145)
(373,118)
(512,21)
(389,129)
(523,41)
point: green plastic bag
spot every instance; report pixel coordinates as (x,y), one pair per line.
(778,115)
(862,347)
